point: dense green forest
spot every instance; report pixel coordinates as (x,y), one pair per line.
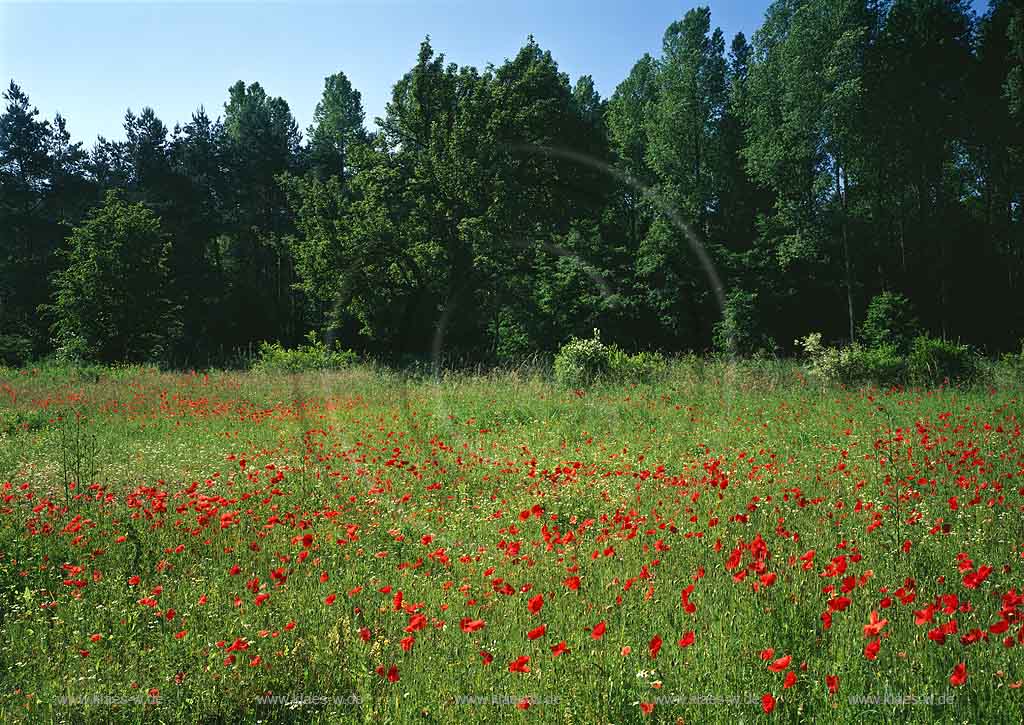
(757,189)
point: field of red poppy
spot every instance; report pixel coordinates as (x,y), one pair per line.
(732,544)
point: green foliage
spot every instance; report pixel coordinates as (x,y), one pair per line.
(109,302)
(855,364)
(42,192)
(890,320)
(581,363)
(740,331)
(849,148)
(18,421)
(312,357)
(932,361)
(337,126)
(15,349)
(641,367)
(1008,370)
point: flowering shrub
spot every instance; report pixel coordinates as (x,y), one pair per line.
(273,357)
(855,364)
(930,362)
(581,363)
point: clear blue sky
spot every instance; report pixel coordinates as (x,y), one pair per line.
(91,61)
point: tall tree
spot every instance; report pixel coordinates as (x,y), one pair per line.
(199,193)
(110,302)
(42,191)
(682,132)
(337,126)
(805,133)
(261,141)
(918,99)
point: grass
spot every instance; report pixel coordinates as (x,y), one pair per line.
(472,495)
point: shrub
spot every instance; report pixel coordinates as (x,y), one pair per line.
(930,362)
(933,361)
(882,365)
(739,332)
(855,364)
(890,320)
(643,367)
(580,363)
(273,357)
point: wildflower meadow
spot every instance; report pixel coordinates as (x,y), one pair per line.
(733,543)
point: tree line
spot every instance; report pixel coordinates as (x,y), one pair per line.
(739,194)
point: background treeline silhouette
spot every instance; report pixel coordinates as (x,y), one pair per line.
(851,147)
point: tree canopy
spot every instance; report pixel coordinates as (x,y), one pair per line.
(850,151)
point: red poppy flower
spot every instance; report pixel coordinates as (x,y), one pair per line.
(393,674)
(875,626)
(646,707)
(469,626)
(768,702)
(832,682)
(655,646)
(559,649)
(572,583)
(789,681)
(959,675)
(871,650)
(598,631)
(329,600)
(838,604)
(486,656)
(687,639)
(537,632)
(780,664)
(519,664)
(535,603)
(416,623)
(973,579)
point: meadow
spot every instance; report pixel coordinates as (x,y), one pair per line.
(734,543)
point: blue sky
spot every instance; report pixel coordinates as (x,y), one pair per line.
(91,61)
